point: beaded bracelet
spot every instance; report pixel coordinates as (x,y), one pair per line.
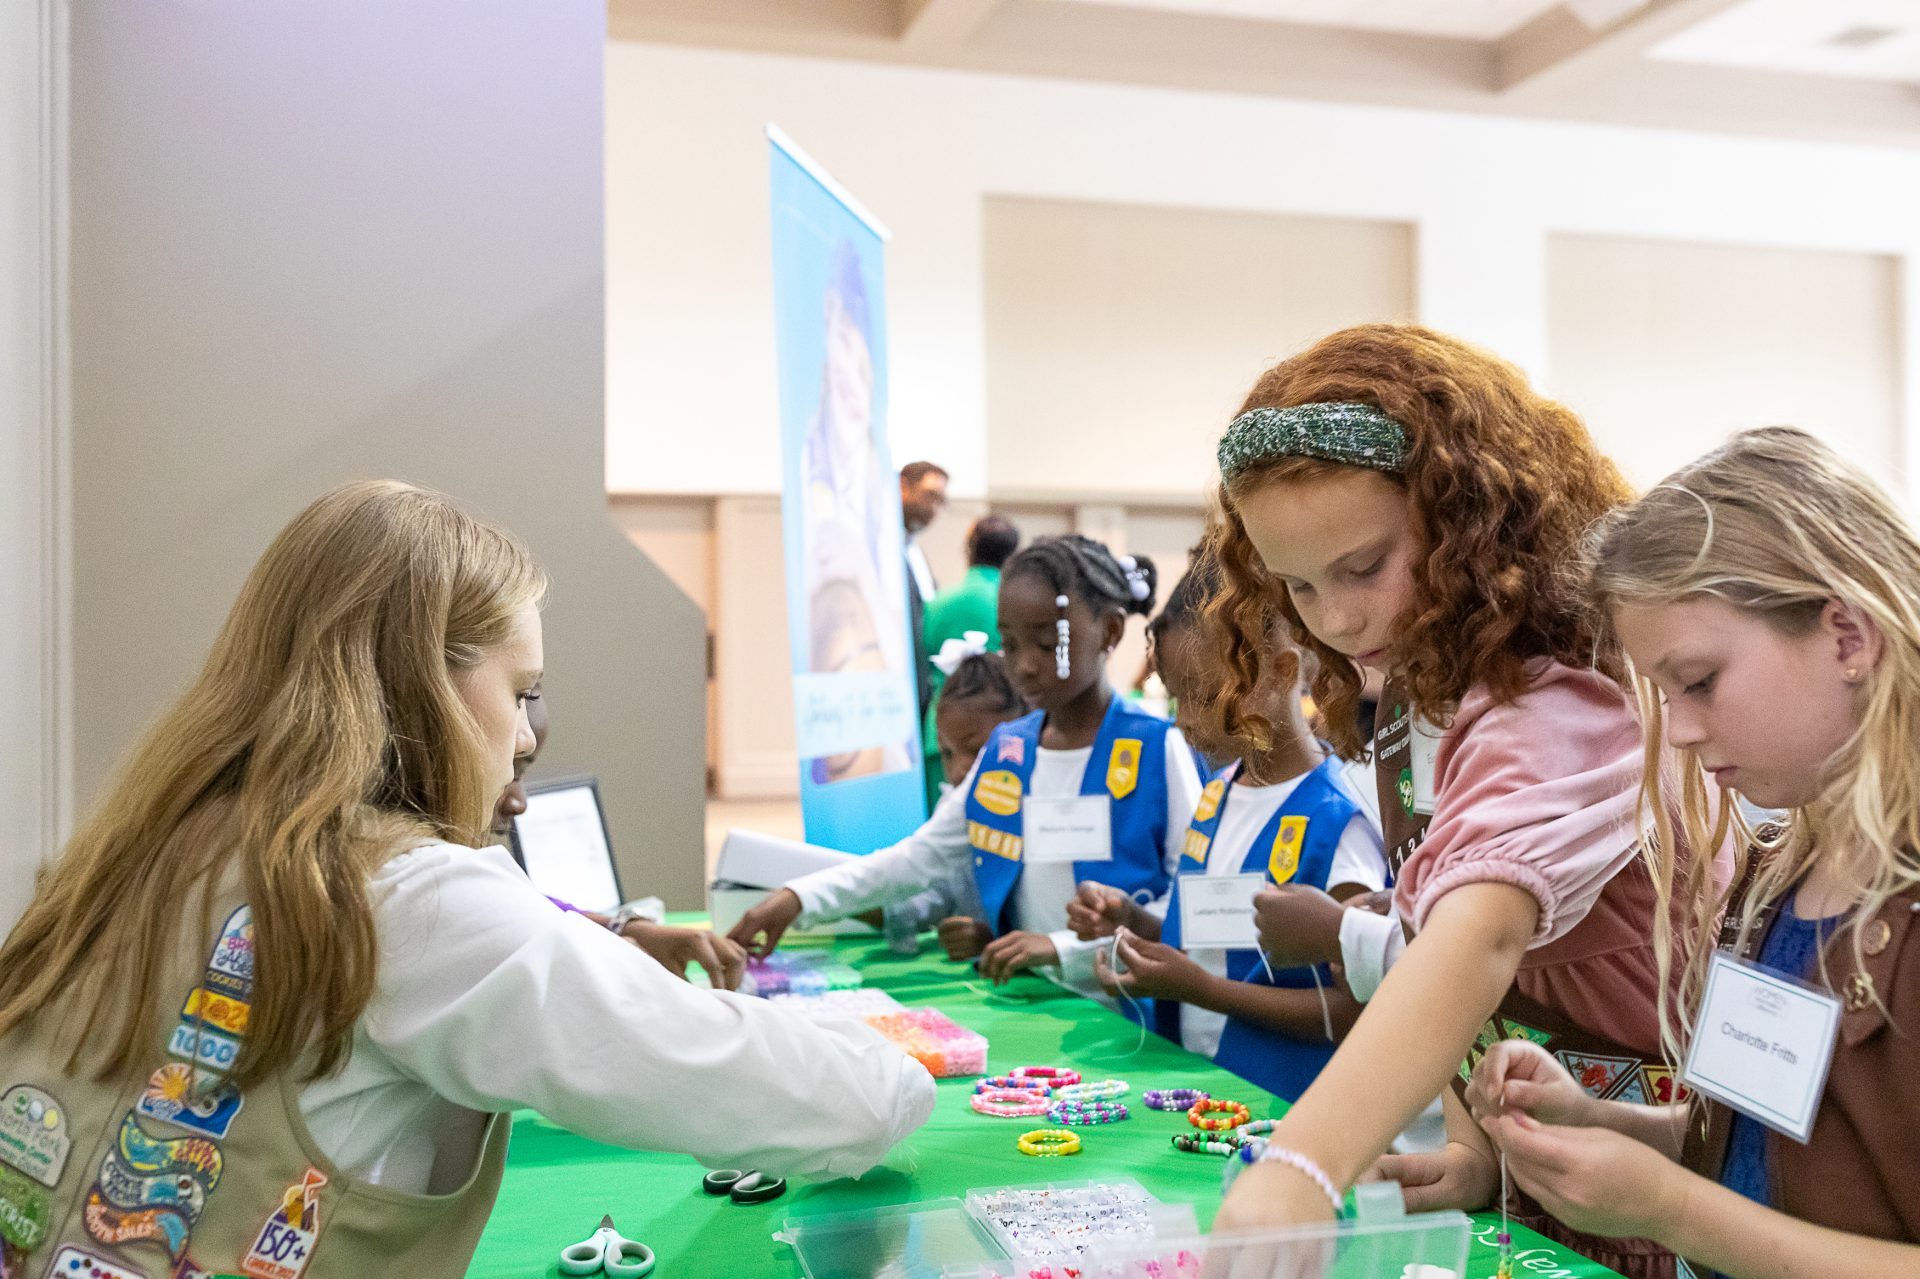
(1173,1098)
(1194,1143)
(1257,1128)
(1048,1141)
(1301,1164)
(1052,1076)
(1038,1087)
(1103,1090)
(1081,1113)
(1008,1103)
(1235,1115)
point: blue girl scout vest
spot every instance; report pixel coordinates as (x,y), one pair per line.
(1295,847)
(1128,764)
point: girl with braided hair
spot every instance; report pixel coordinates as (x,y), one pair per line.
(1084,787)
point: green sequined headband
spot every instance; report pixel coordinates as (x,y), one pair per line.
(1351,434)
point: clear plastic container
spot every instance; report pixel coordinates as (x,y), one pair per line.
(1061,1221)
(910,1241)
(1425,1246)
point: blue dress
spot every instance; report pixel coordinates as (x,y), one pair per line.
(1792,947)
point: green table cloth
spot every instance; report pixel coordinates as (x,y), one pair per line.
(558,1185)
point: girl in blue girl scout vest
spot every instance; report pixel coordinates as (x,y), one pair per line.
(1083,788)
(1281,812)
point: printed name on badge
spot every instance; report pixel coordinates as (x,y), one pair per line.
(1216,911)
(1076,828)
(1762,1044)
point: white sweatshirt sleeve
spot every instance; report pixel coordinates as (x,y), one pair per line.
(931,855)
(496,1000)
(1369,945)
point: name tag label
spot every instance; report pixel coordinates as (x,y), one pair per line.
(1762,1045)
(1076,828)
(1216,911)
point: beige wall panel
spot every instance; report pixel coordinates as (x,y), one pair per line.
(1666,348)
(1120,338)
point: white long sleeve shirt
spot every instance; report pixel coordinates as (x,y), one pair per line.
(1040,896)
(489,999)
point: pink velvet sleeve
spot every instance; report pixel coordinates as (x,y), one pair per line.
(1538,793)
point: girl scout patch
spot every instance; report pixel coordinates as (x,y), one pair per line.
(24,1211)
(285,1243)
(1210,800)
(1285,858)
(150,1190)
(74,1263)
(171,1095)
(33,1133)
(1123,767)
(998,792)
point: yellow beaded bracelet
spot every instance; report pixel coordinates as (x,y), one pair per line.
(1049,1141)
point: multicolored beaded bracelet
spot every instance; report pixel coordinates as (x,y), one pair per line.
(1081,1113)
(1173,1098)
(1042,1142)
(1052,1076)
(1257,1128)
(1008,1103)
(1194,1143)
(1234,1114)
(1102,1090)
(1039,1087)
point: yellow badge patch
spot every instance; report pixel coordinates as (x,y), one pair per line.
(998,842)
(219,1011)
(1123,767)
(998,792)
(1285,858)
(1210,800)
(1196,846)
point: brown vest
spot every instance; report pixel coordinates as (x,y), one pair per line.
(1603,1067)
(162,1171)
(1860,1170)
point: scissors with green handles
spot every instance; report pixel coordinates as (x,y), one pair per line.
(608,1252)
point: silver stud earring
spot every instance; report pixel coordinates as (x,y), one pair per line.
(1062,654)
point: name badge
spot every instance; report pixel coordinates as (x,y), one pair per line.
(1076,828)
(1216,911)
(1762,1045)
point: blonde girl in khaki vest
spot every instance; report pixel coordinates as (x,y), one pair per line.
(266,1009)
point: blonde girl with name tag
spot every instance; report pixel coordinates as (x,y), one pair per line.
(268,1010)
(1410,504)
(1083,787)
(1769,596)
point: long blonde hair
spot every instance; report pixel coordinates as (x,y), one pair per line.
(1774,524)
(323,735)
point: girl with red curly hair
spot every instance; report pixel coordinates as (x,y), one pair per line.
(1408,504)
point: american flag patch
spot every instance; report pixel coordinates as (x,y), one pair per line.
(1012,750)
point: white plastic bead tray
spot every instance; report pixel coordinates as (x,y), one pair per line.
(1423,1246)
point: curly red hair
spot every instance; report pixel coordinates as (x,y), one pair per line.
(1503,484)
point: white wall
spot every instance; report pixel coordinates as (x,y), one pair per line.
(691,404)
(31,790)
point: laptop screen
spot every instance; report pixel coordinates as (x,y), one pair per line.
(562,842)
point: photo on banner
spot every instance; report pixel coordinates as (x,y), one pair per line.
(850,641)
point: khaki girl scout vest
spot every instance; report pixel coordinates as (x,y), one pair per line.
(144,1177)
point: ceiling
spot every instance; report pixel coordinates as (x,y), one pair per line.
(1828,69)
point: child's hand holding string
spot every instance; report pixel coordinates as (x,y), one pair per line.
(1011,952)
(1100,910)
(1155,970)
(1298,925)
(1519,1075)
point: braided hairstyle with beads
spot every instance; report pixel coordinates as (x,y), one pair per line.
(1081,567)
